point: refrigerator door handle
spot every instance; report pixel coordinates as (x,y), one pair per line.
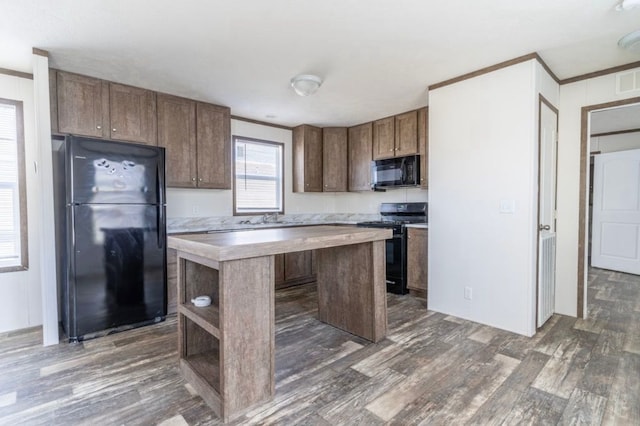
(161,221)
(161,228)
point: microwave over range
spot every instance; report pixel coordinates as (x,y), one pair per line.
(395,172)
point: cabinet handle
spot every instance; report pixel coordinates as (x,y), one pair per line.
(113,130)
(391,149)
(200,180)
(99,127)
(193,179)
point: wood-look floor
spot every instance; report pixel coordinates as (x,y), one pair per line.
(432,369)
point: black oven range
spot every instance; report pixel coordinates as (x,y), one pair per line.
(395,216)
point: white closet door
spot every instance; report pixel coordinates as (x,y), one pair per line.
(616,211)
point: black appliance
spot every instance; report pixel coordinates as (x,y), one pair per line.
(395,172)
(110,235)
(395,216)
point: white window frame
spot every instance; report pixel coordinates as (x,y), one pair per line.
(19,187)
(280,188)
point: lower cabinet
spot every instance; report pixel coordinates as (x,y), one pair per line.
(294,268)
(417,262)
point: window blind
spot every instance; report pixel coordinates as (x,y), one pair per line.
(258,177)
(9,194)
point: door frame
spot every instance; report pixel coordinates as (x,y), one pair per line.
(583,193)
(542,100)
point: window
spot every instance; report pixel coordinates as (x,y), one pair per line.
(258,183)
(13,209)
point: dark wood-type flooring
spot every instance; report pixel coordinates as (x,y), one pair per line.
(431,369)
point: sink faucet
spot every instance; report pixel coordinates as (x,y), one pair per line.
(270,217)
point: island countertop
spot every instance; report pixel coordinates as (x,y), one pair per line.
(264,242)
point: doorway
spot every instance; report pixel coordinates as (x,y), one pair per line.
(607,109)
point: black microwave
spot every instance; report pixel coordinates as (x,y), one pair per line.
(395,172)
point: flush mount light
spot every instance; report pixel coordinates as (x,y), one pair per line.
(306,84)
(631,41)
(627,5)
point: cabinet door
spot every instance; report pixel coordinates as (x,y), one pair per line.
(417,260)
(423,146)
(334,159)
(83,105)
(214,146)
(406,134)
(307,159)
(298,265)
(177,134)
(383,138)
(360,156)
(133,114)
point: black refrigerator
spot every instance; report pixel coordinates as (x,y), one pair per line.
(110,235)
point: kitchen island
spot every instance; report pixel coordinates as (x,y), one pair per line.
(227,349)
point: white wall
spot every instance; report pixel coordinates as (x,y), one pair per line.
(20,301)
(483,145)
(573,97)
(211,202)
(613,143)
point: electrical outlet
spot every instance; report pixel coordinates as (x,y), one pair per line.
(468,294)
(194,210)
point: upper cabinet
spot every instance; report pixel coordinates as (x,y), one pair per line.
(133,114)
(423,146)
(334,159)
(307,159)
(395,136)
(213,137)
(197,141)
(360,156)
(92,107)
(406,134)
(177,134)
(82,105)
(196,136)
(384,138)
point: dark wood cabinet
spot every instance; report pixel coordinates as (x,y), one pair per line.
(417,261)
(423,146)
(360,142)
(82,105)
(395,136)
(334,159)
(406,134)
(177,134)
(294,268)
(133,114)
(198,143)
(307,159)
(92,107)
(213,137)
(384,138)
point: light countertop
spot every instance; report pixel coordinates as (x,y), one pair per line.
(222,246)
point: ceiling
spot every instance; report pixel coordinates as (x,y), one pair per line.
(376,57)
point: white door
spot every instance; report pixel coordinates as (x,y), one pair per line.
(547,213)
(615,228)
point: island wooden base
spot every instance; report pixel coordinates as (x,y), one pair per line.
(227,349)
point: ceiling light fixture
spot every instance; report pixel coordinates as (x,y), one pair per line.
(627,5)
(306,84)
(631,41)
